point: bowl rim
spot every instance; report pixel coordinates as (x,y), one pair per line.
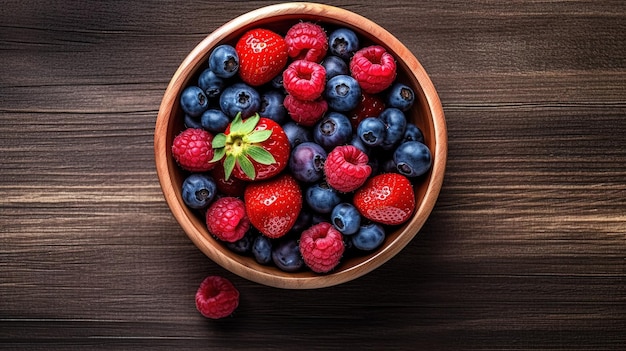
(324,13)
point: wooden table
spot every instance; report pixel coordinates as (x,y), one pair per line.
(525,249)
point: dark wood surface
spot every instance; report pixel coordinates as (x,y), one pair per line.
(525,249)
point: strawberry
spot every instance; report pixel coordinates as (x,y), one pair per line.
(262,56)
(273,205)
(387,198)
(371,105)
(253,149)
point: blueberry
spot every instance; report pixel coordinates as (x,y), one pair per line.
(193,101)
(240,97)
(272,106)
(412,158)
(262,249)
(359,144)
(343,93)
(307,162)
(296,133)
(371,131)
(192,122)
(346,218)
(413,133)
(210,83)
(333,130)
(395,121)
(343,42)
(244,245)
(334,66)
(389,166)
(368,237)
(321,197)
(277,82)
(303,221)
(214,120)
(287,257)
(198,190)
(400,96)
(224,61)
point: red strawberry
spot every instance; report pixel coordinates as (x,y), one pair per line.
(262,56)
(387,198)
(321,247)
(231,187)
(273,205)
(369,106)
(253,149)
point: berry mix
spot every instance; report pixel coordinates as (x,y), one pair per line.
(297,150)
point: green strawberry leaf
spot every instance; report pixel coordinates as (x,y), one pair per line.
(260,155)
(246,166)
(258,136)
(219,141)
(218,154)
(249,124)
(229,165)
(236,124)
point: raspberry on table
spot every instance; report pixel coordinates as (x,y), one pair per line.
(305,80)
(306,41)
(374,68)
(346,168)
(192,150)
(216,297)
(226,219)
(305,112)
(321,247)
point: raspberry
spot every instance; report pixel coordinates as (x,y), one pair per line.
(374,68)
(193,151)
(226,219)
(369,106)
(346,168)
(305,80)
(304,112)
(306,41)
(216,297)
(321,247)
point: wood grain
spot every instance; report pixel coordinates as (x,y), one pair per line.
(525,248)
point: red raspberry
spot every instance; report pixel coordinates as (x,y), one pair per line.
(304,112)
(305,80)
(374,68)
(216,297)
(369,106)
(306,41)
(321,247)
(226,219)
(346,168)
(192,150)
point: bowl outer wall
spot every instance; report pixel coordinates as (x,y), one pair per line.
(432,124)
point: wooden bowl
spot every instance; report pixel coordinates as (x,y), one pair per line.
(427,113)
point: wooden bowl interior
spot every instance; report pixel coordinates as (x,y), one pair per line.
(426,113)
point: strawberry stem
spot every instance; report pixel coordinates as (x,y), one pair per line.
(241,146)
